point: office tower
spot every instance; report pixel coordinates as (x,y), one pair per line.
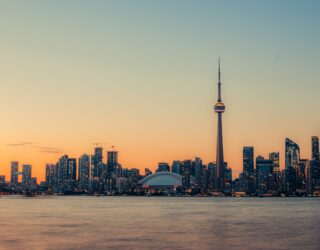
(264,175)
(212,171)
(275,157)
(186,169)
(163,167)
(112,161)
(197,168)
(14,173)
(292,154)
(227,179)
(96,159)
(248,170)
(133,177)
(302,177)
(26,176)
(84,173)
(51,177)
(72,174)
(63,174)
(121,185)
(176,167)
(314,175)
(219,108)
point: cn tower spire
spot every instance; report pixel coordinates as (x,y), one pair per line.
(219,108)
(219,82)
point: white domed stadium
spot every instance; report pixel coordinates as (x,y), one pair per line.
(161,180)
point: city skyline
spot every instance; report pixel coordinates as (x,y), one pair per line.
(154,102)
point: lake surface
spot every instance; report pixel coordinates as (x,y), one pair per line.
(159,223)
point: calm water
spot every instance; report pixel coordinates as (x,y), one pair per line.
(159,223)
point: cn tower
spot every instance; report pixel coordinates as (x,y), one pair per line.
(219,108)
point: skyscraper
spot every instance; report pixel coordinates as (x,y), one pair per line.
(248,169)
(72,174)
(96,159)
(63,174)
(219,108)
(163,167)
(26,176)
(275,157)
(51,176)
(314,173)
(112,161)
(84,173)
(14,173)
(292,153)
(264,175)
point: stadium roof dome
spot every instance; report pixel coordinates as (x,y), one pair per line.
(162,179)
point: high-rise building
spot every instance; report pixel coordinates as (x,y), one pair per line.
(112,161)
(14,173)
(72,174)
(176,167)
(275,157)
(63,174)
(301,176)
(51,177)
(219,108)
(227,179)
(26,176)
(84,173)
(264,176)
(314,173)
(95,160)
(186,169)
(292,154)
(212,172)
(163,167)
(248,170)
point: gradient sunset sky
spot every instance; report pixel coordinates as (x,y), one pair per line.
(142,75)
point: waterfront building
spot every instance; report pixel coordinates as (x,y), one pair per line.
(26,176)
(84,173)
(176,167)
(264,176)
(302,177)
(112,161)
(275,157)
(314,173)
(121,185)
(161,181)
(248,170)
(292,157)
(95,160)
(14,173)
(51,177)
(163,167)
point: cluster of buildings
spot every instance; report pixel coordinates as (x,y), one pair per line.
(263,176)
(260,176)
(92,175)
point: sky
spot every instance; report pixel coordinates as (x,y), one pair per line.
(142,76)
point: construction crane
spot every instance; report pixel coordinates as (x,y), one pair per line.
(98,144)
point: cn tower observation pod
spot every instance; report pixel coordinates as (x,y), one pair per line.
(161,179)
